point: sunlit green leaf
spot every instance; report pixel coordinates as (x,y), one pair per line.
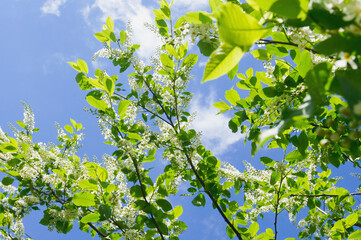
(84,199)
(222,61)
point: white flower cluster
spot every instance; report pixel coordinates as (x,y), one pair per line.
(28,117)
(107,52)
(304,36)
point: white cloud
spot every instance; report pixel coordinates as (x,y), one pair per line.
(127,10)
(52,7)
(215,132)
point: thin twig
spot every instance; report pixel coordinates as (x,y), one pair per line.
(99,232)
(266,41)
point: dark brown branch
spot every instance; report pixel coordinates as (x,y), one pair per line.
(146,109)
(214,201)
(145,196)
(277,205)
(266,41)
(99,232)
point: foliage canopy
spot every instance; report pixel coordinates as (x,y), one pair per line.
(307,103)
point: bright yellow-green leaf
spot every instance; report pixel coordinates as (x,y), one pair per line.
(94,99)
(215,5)
(123,106)
(88,184)
(123,36)
(166,60)
(85,199)
(110,23)
(69,129)
(160,14)
(109,84)
(237,27)
(253,228)
(221,61)
(177,211)
(221,105)
(232,96)
(170,49)
(351,220)
(91,217)
(75,66)
(198,17)
(355,235)
(135,136)
(100,36)
(102,174)
(83,66)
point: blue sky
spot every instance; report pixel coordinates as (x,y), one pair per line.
(39,37)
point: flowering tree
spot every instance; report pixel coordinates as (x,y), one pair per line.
(307,103)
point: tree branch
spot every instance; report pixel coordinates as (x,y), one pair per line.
(99,232)
(266,41)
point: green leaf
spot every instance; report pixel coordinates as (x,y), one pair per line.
(276,51)
(294,156)
(158,13)
(190,60)
(7,180)
(207,47)
(84,199)
(231,74)
(136,191)
(83,66)
(102,174)
(275,177)
(109,84)
(88,184)
(135,136)
(285,8)
(221,105)
(253,229)
(237,28)
(230,233)
(199,200)
(75,66)
(110,23)
(69,129)
(268,161)
(100,36)
(83,81)
(105,212)
(261,54)
(304,63)
(91,217)
(222,61)
(94,99)
(198,17)
(215,5)
(171,50)
(122,107)
(166,60)
(122,36)
(347,84)
(351,219)
(355,235)
(232,96)
(21,124)
(177,211)
(164,204)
